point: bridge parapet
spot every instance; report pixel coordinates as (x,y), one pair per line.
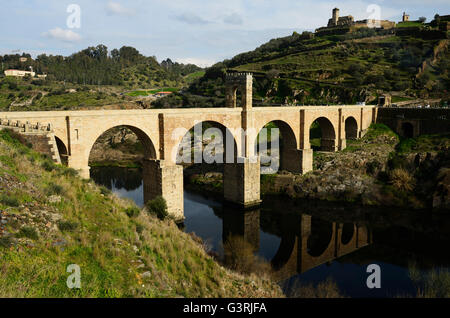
(26,127)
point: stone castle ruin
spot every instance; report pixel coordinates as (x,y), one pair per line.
(348,21)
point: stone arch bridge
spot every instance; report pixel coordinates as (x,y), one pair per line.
(76,132)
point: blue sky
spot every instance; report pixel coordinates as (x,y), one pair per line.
(198,31)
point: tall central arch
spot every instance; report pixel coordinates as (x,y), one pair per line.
(326,134)
(286,157)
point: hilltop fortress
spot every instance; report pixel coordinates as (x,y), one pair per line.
(349,22)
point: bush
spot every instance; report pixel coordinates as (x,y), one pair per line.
(28,232)
(5,242)
(402,180)
(139,228)
(14,137)
(9,200)
(48,165)
(54,188)
(70,172)
(67,226)
(132,212)
(158,207)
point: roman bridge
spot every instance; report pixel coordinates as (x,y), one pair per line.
(75,133)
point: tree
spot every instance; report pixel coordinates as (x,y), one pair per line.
(422,19)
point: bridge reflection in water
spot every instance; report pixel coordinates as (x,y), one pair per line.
(306,241)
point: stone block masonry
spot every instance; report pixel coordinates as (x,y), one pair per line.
(159,132)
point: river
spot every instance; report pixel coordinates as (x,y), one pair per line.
(309,242)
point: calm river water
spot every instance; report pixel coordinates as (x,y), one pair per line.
(308,242)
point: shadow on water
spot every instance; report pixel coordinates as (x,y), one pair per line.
(308,242)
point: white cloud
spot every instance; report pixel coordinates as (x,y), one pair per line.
(62,35)
(233,18)
(117,8)
(191,18)
(197,61)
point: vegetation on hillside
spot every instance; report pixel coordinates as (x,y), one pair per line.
(90,78)
(96,66)
(337,68)
(51,218)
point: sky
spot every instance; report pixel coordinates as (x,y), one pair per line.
(189,31)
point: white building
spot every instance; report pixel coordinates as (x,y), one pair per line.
(19,73)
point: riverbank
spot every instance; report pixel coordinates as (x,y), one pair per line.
(51,218)
(379,169)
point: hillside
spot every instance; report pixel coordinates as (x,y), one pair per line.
(93,77)
(50,218)
(321,68)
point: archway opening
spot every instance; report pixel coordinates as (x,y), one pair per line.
(348,230)
(116,161)
(276,145)
(320,238)
(238,96)
(62,149)
(202,152)
(407,130)
(322,135)
(351,128)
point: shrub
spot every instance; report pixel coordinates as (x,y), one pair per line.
(402,180)
(132,212)
(48,165)
(9,200)
(14,137)
(54,188)
(29,232)
(67,226)
(158,207)
(139,228)
(70,172)
(5,242)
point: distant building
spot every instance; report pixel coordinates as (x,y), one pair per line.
(336,20)
(348,21)
(384,100)
(161,94)
(405,17)
(23,59)
(19,73)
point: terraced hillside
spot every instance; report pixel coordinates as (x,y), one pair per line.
(308,68)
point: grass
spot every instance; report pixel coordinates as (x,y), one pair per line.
(94,231)
(326,289)
(409,24)
(433,284)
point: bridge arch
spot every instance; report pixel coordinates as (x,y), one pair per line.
(286,156)
(322,128)
(407,129)
(351,128)
(143,137)
(63,151)
(148,147)
(320,238)
(207,130)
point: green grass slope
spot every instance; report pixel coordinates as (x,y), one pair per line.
(50,218)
